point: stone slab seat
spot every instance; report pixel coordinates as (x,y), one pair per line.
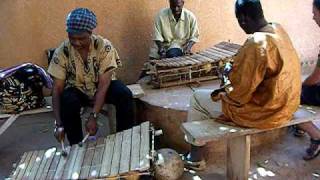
(238,138)
(110,110)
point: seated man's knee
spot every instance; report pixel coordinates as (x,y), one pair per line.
(305,126)
(70,101)
(125,93)
(174,52)
(122,92)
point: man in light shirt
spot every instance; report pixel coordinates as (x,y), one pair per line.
(175,31)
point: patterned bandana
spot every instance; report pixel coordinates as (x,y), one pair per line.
(81,20)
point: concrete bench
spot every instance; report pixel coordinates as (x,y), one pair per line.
(238,139)
(110,110)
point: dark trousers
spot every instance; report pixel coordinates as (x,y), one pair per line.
(310,95)
(73,99)
(174,52)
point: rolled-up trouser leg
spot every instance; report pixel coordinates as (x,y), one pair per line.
(202,108)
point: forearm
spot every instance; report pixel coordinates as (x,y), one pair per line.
(160,45)
(100,96)
(228,100)
(314,78)
(190,44)
(311,80)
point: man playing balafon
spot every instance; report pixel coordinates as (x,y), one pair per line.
(265,81)
(175,31)
(83,71)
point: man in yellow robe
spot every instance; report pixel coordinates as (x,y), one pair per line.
(265,80)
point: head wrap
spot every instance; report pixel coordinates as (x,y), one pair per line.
(81,20)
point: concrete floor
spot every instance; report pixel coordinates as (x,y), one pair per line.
(278,161)
(28,133)
(282,160)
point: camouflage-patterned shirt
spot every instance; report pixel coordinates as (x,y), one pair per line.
(68,65)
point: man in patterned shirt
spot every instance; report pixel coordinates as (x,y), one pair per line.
(83,71)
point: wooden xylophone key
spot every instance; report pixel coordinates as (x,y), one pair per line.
(28,171)
(155,63)
(97,159)
(145,146)
(226,46)
(60,168)
(23,165)
(179,61)
(230,53)
(211,56)
(218,53)
(189,61)
(54,164)
(85,167)
(184,61)
(36,164)
(75,170)
(167,62)
(18,167)
(231,45)
(125,152)
(67,173)
(193,60)
(175,62)
(223,45)
(135,149)
(107,156)
(46,162)
(200,58)
(115,164)
(158,63)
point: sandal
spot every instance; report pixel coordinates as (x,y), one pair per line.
(297,132)
(313,151)
(193,165)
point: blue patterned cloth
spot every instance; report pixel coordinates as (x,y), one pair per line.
(81,20)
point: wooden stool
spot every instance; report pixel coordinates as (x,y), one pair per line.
(238,146)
